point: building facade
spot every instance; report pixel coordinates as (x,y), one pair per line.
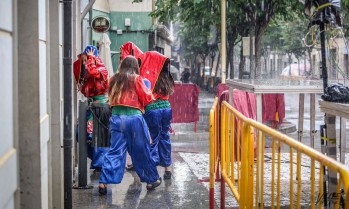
(131,22)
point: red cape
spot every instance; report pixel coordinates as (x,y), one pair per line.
(152,63)
(129,48)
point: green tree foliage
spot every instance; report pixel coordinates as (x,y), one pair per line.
(287,36)
(285,18)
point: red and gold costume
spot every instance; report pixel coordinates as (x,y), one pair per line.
(129,132)
(137,96)
(94,81)
(129,48)
(152,63)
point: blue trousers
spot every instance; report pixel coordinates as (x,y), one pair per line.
(128,132)
(159,121)
(96,154)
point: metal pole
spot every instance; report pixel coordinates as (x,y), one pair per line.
(67,107)
(86,9)
(82,16)
(252,74)
(224,39)
(325,84)
(323,146)
(323,53)
(82,182)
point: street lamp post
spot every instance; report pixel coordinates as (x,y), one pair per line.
(223,39)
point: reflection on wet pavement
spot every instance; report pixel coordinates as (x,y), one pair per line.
(182,191)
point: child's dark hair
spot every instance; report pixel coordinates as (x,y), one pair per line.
(121,81)
(165,82)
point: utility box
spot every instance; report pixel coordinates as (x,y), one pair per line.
(127,22)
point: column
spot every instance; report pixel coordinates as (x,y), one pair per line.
(56,101)
(8,151)
(33,84)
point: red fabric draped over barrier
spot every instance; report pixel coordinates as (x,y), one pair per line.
(245,103)
(184,103)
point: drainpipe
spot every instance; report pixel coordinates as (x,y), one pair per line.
(67,106)
(154,25)
(82,16)
(82,162)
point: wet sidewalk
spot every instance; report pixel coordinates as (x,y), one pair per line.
(183,191)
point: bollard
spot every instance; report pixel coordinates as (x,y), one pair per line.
(323,145)
(82,163)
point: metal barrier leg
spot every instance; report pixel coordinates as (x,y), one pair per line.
(222,193)
(82,172)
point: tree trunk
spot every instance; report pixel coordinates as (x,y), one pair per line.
(228,61)
(231,59)
(310,61)
(219,57)
(198,75)
(202,83)
(257,63)
(211,66)
(242,63)
(197,71)
(289,63)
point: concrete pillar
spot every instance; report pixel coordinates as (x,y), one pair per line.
(331,152)
(76,51)
(33,89)
(8,151)
(55,106)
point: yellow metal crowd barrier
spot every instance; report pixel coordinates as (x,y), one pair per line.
(288,174)
(214,157)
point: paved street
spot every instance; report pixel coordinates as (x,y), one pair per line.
(182,191)
(191,164)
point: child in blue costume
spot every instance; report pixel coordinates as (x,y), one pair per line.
(128,96)
(158,115)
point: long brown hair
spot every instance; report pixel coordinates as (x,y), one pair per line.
(165,82)
(121,81)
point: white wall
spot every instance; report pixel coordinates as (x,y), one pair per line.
(44,117)
(128,6)
(8,154)
(102,5)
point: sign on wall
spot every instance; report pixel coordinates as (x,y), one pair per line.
(100,24)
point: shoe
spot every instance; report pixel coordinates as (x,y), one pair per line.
(103,190)
(167,175)
(97,170)
(154,185)
(130,167)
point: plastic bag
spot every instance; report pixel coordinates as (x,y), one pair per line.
(336,93)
